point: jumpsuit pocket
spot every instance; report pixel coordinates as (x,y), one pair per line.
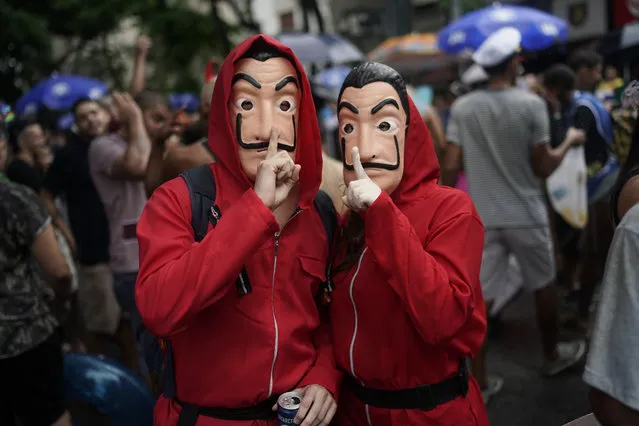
(314,272)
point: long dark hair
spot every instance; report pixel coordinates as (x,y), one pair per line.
(350,241)
(631,167)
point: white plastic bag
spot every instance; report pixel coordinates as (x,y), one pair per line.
(567,188)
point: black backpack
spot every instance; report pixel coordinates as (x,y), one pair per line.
(201,184)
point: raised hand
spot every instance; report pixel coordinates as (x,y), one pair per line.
(143,45)
(277,174)
(363,192)
(128,110)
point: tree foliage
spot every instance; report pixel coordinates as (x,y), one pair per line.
(24,49)
(183,39)
(77,36)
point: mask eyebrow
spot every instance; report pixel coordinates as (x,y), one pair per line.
(348,106)
(241,76)
(382,104)
(286,80)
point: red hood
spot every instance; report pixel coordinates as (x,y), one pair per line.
(222,140)
(421,167)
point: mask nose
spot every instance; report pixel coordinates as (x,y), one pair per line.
(266,122)
(365,145)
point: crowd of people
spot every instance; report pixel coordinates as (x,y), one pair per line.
(247,249)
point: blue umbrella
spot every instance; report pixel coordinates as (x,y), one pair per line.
(321,48)
(66,121)
(327,83)
(539,30)
(108,387)
(189,101)
(60,92)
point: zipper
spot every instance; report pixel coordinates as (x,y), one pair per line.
(368,415)
(352,286)
(244,288)
(277,331)
(352,348)
(215,214)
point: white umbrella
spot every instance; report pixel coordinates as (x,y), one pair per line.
(321,48)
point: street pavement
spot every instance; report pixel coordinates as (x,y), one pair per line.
(527,398)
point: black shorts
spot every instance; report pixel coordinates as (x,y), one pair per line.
(32,387)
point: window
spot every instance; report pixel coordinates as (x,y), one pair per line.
(286,21)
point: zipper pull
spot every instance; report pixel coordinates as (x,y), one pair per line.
(215,214)
(277,243)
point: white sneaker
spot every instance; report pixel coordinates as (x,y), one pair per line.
(494,385)
(568,354)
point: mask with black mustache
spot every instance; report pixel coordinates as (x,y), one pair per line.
(372,164)
(264,144)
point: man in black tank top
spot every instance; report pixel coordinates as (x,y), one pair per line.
(597,236)
(559,84)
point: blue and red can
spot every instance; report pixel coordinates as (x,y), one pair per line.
(287,405)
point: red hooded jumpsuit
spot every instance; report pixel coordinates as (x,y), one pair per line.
(229,350)
(411,307)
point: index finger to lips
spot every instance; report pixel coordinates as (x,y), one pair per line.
(272,143)
(357,164)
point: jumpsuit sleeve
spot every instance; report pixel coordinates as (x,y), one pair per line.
(324,372)
(178,278)
(437,281)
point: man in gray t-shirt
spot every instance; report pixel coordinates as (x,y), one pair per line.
(504,135)
(497,128)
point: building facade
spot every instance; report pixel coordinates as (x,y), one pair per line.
(369,22)
(275,16)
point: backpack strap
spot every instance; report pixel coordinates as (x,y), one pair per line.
(326,210)
(202,191)
(201,183)
(168,370)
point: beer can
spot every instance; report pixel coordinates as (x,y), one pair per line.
(287,405)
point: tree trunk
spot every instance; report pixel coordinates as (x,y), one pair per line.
(245,17)
(307,23)
(312,7)
(221,29)
(318,15)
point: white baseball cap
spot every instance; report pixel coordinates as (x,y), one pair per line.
(473,75)
(498,47)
